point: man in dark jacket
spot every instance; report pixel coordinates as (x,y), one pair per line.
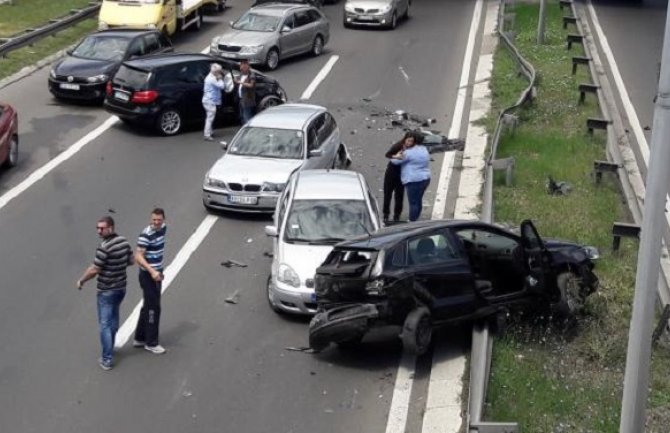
(246,91)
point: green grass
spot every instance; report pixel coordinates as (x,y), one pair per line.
(541,377)
(23,14)
(25,56)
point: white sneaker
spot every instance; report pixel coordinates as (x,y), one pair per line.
(137,343)
(157,349)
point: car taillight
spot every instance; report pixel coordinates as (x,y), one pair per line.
(109,88)
(144,97)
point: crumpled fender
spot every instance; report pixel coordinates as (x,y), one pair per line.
(340,324)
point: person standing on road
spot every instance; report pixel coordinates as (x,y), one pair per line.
(149,257)
(414,161)
(112,257)
(211,96)
(392,183)
(246,91)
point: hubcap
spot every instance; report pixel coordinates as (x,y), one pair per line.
(318,46)
(273,59)
(13,152)
(170,122)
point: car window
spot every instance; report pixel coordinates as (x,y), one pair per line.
(269,143)
(164,41)
(136,48)
(289,22)
(327,221)
(312,139)
(151,43)
(282,206)
(255,22)
(302,18)
(486,240)
(433,248)
(133,78)
(99,47)
(326,126)
(314,15)
(397,256)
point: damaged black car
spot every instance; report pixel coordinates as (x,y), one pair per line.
(421,275)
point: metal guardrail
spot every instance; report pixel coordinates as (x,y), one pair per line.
(482,344)
(30,36)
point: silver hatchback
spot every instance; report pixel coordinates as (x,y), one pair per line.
(253,172)
(382,13)
(266,34)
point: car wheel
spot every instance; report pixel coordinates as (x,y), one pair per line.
(407,10)
(267,102)
(270,296)
(272,59)
(317,46)
(572,301)
(394,21)
(221,6)
(417,331)
(169,122)
(13,155)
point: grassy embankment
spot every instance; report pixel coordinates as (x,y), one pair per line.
(546,379)
(23,14)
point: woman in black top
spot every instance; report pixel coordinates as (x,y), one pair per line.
(392,183)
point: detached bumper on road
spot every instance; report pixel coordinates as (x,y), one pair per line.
(341,324)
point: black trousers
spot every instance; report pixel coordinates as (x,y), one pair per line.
(393,187)
(150,314)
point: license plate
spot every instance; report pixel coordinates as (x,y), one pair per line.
(366,18)
(122,96)
(242,199)
(69,86)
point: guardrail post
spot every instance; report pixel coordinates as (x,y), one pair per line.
(574,38)
(587,88)
(620,230)
(599,167)
(506,164)
(579,60)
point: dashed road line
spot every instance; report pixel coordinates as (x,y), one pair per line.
(323,73)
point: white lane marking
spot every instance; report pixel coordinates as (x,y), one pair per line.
(402,389)
(404,74)
(55,162)
(319,77)
(457,118)
(625,99)
(170,274)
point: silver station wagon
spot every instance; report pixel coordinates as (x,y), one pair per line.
(261,157)
(266,34)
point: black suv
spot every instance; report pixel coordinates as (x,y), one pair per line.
(425,274)
(165,91)
(85,71)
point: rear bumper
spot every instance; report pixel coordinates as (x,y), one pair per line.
(137,114)
(341,324)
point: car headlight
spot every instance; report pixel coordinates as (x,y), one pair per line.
(375,287)
(210,181)
(98,78)
(273,187)
(592,252)
(251,50)
(385,9)
(52,73)
(348,8)
(287,275)
(379,265)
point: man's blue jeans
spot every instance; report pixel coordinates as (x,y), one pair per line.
(246,113)
(415,192)
(109,302)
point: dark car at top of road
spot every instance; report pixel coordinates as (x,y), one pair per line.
(165,91)
(9,136)
(431,273)
(85,71)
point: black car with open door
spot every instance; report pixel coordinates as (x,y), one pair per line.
(420,275)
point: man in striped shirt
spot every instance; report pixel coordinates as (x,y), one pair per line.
(149,256)
(112,257)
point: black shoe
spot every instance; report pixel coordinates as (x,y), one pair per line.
(396,218)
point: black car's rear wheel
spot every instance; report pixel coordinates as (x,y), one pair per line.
(169,122)
(417,331)
(269,101)
(13,156)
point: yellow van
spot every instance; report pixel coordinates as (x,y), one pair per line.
(168,16)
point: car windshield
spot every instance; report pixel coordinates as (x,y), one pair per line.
(101,48)
(327,221)
(255,22)
(269,143)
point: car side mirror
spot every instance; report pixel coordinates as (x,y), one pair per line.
(224,145)
(231,23)
(271,231)
(315,153)
(69,52)
(285,29)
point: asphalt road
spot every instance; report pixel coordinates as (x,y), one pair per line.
(227,368)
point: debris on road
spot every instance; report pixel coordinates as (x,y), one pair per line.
(268,254)
(557,188)
(301,349)
(233,299)
(250,240)
(231,263)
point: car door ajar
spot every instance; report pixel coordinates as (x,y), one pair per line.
(440,268)
(316,158)
(537,257)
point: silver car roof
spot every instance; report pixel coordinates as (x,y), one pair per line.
(286,116)
(276,9)
(329,185)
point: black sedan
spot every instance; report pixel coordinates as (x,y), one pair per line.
(431,273)
(83,74)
